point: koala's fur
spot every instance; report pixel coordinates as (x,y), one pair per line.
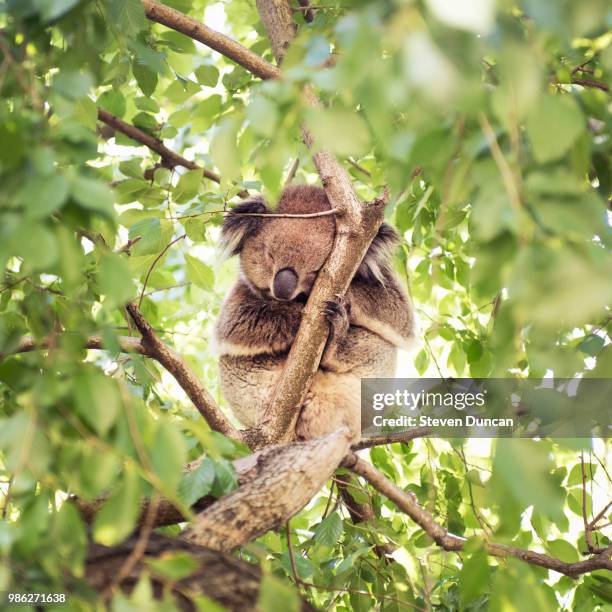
(256,330)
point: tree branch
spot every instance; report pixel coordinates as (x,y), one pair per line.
(127,344)
(232,583)
(282,481)
(591,83)
(407,502)
(188,26)
(392,438)
(183,374)
(170,159)
(356,226)
(153,347)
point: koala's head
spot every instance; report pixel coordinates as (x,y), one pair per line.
(281,257)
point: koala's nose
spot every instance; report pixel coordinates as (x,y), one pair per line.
(284,285)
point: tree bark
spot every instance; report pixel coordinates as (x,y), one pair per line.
(169,158)
(356,226)
(282,480)
(180,22)
(230,582)
(407,502)
(184,375)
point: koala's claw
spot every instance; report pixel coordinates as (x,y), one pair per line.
(337,313)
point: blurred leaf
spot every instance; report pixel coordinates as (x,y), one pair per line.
(97,401)
(342,132)
(118,515)
(174,565)
(207,75)
(275,594)
(127,15)
(553,126)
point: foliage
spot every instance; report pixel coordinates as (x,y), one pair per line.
(499,167)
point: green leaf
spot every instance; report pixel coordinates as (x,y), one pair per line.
(199,273)
(174,565)
(93,194)
(592,345)
(51,10)
(225,478)
(263,116)
(37,246)
(224,150)
(421,361)
(113,101)
(553,126)
(168,454)
(521,473)
(328,531)
(474,351)
(127,16)
(474,576)
(276,594)
(575,475)
(43,195)
(117,517)
(343,132)
(563,550)
(115,280)
(73,84)
(207,75)
(97,400)
(188,186)
(145,77)
(198,483)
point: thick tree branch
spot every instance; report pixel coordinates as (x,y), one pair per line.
(183,374)
(234,51)
(408,503)
(356,226)
(233,583)
(282,481)
(166,512)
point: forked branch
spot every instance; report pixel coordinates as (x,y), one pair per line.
(407,502)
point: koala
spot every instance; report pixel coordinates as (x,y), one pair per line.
(279,262)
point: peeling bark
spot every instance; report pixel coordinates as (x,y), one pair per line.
(281,481)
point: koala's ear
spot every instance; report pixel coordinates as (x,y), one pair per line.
(377,260)
(238,225)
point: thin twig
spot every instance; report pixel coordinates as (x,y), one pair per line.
(591,83)
(359,167)
(322,213)
(146,280)
(294,168)
(500,160)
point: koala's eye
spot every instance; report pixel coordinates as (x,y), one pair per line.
(269,257)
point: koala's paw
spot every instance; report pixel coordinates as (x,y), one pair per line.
(338,312)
